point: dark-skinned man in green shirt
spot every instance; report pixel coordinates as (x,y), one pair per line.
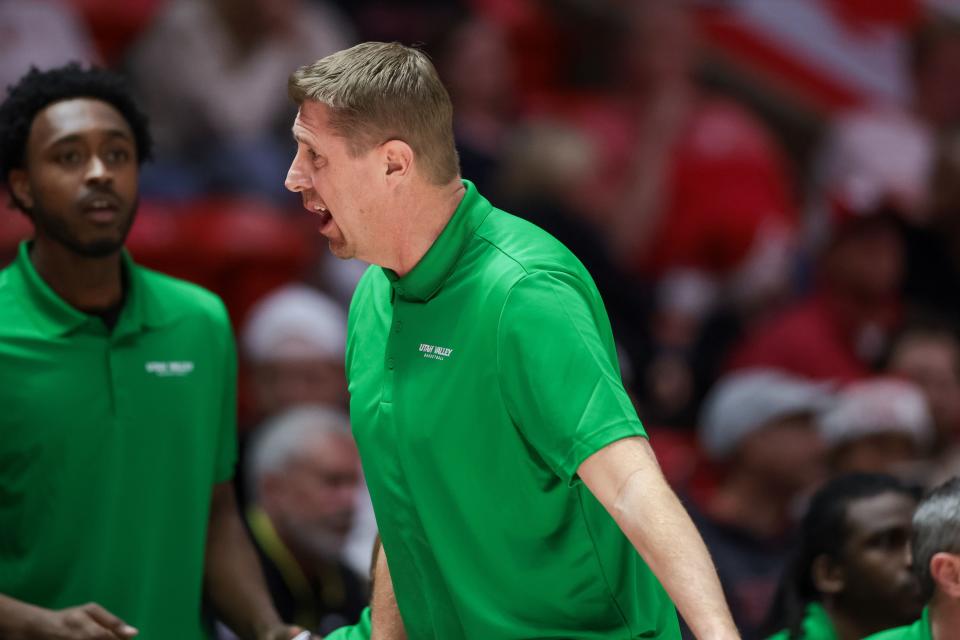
(508,469)
(935,546)
(849,575)
(117,388)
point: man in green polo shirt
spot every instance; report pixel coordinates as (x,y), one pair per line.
(117,441)
(849,575)
(935,542)
(508,469)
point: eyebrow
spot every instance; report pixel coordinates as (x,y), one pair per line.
(76,137)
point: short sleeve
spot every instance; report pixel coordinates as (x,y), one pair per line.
(226,455)
(558,371)
(359,631)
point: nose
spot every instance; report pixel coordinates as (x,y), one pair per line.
(97,171)
(297,180)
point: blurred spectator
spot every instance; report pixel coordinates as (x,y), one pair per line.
(933,240)
(759,427)
(928,354)
(303,473)
(114,26)
(411,21)
(475,66)
(880,425)
(893,157)
(849,574)
(42,34)
(935,545)
(840,330)
(294,343)
(545,168)
(212,74)
(691,193)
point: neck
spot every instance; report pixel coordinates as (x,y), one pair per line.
(84,283)
(751,505)
(944,617)
(421,223)
(851,627)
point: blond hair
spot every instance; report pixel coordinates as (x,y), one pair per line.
(378,91)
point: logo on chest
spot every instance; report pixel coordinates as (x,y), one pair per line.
(434,352)
(174,368)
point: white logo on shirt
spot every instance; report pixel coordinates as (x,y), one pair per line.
(169,369)
(435,353)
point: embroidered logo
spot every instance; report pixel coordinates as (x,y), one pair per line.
(434,352)
(174,368)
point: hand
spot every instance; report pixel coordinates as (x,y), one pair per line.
(86,622)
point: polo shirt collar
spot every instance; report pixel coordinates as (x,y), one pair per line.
(55,317)
(428,276)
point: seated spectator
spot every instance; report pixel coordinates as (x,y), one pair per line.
(759,427)
(927,352)
(881,425)
(840,330)
(42,34)
(212,75)
(849,575)
(293,342)
(935,544)
(303,474)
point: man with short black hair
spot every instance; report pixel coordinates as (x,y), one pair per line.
(935,544)
(117,388)
(849,575)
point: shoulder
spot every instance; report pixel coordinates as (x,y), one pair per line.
(168,298)
(913,631)
(523,249)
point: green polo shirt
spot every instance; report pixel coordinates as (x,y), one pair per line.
(919,630)
(816,626)
(110,444)
(359,631)
(479,382)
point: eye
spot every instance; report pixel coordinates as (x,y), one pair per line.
(118,156)
(69,158)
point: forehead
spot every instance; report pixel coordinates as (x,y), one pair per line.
(77,117)
(879,513)
(313,119)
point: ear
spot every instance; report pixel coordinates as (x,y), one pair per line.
(20,187)
(398,159)
(827,575)
(945,570)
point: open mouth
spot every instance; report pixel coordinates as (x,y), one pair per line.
(100,208)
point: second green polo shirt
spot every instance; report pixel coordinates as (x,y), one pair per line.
(479,382)
(816,625)
(919,630)
(110,445)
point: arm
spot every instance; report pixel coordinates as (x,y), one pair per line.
(233,579)
(626,479)
(22,621)
(385,615)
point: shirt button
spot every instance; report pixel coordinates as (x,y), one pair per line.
(398,325)
(400,290)
(389,363)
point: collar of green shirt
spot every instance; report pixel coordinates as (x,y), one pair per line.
(426,278)
(54,317)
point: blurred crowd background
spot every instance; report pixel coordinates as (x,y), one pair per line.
(767,193)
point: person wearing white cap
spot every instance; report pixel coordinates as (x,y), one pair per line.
(880,425)
(758,427)
(294,343)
